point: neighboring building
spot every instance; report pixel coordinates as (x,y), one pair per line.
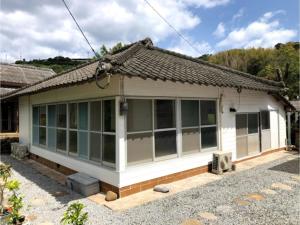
(13,77)
(293,124)
(180,111)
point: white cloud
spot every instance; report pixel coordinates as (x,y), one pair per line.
(207,3)
(239,14)
(198,49)
(45,30)
(220,30)
(263,32)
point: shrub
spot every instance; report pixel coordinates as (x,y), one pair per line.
(74,215)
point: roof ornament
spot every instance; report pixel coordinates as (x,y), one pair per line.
(103,68)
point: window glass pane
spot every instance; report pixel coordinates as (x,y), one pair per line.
(73,141)
(265,119)
(95,117)
(208,137)
(35,115)
(109,115)
(42,112)
(109,149)
(208,112)
(139,147)
(83,115)
(73,115)
(51,135)
(139,115)
(61,115)
(35,135)
(164,114)
(190,113)
(51,115)
(165,143)
(252,123)
(95,147)
(190,140)
(42,136)
(83,144)
(61,139)
(241,124)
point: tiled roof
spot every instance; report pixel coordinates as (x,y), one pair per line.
(142,59)
(20,75)
(296,104)
(4,91)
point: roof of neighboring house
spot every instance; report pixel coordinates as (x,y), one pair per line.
(142,59)
(4,91)
(16,75)
(296,104)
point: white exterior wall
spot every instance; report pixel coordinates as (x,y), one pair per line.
(248,101)
(123,175)
(81,92)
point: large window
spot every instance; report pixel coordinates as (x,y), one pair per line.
(152,132)
(80,129)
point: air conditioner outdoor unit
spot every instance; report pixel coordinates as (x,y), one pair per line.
(221,162)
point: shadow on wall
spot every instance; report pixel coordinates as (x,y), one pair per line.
(291,166)
(60,192)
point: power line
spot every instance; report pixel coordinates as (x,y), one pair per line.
(170,25)
(79,28)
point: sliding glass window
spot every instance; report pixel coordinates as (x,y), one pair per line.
(79,129)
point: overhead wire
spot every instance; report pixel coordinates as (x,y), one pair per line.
(170,25)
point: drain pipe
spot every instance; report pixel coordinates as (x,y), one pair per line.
(220,116)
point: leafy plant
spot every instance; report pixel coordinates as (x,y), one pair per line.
(15,200)
(5,173)
(74,215)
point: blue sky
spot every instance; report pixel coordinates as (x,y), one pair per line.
(43,28)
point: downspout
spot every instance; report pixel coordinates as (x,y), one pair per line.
(220,116)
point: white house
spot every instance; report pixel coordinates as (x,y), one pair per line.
(145,115)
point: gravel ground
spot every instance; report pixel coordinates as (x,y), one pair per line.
(225,199)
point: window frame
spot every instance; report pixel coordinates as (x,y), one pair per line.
(178,129)
(66,152)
